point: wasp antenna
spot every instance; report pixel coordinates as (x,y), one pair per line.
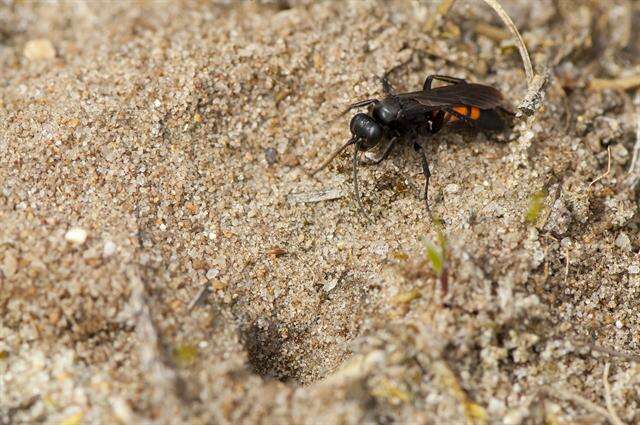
(333,156)
(359,104)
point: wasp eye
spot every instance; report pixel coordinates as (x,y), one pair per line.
(366,129)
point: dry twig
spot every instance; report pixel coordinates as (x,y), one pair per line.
(535,83)
(445,5)
(195,300)
(613,353)
(442,10)
(608,168)
(492,32)
(634,168)
(567,395)
(316,196)
(566,266)
(624,83)
(526,60)
(607,396)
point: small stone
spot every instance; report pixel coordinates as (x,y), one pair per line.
(109,249)
(634,268)
(528,136)
(330,285)
(452,188)
(291,160)
(381,249)
(619,324)
(218,285)
(122,410)
(76,235)
(39,48)
(212,273)
(191,207)
(623,242)
(270,154)
(10,265)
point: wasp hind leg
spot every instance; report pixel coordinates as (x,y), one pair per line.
(427,175)
(443,78)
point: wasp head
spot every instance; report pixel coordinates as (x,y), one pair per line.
(366,129)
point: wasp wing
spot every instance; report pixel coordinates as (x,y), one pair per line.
(488,100)
(478,95)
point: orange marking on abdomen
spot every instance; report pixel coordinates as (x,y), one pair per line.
(471,112)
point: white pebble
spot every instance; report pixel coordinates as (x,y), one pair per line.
(452,188)
(122,410)
(619,324)
(330,285)
(623,242)
(109,249)
(39,48)
(76,235)
(634,268)
(381,249)
(212,273)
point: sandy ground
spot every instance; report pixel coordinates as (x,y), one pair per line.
(149,150)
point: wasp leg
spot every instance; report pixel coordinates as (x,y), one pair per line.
(443,78)
(386,85)
(427,175)
(383,155)
(356,189)
(360,104)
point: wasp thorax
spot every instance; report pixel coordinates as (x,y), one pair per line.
(386,112)
(366,129)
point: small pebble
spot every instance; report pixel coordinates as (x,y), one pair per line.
(452,188)
(270,154)
(212,273)
(39,48)
(623,242)
(381,249)
(330,285)
(10,265)
(109,249)
(634,268)
(76,235)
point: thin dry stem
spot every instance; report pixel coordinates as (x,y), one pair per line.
(634,168)
(608,168)
(195,300)
(613,353)
(624,83)
(492,32)
(443,9)
(568,395)
(566,266)
(607,396)
(524,54)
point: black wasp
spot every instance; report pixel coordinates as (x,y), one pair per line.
(401,115)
